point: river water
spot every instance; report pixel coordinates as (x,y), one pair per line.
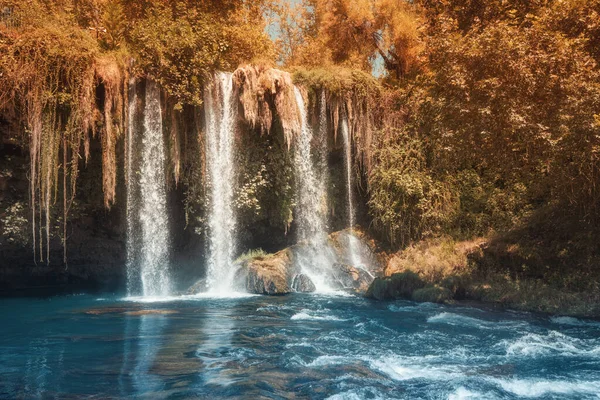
(297,346)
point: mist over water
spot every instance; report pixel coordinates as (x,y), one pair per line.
(301,346)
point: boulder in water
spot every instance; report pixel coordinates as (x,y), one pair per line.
(303,284)
(269,274)
(349,277)
(279,273)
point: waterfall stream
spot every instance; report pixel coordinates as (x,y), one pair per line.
(220,117)
(311,205)
(153,209)
(133,285)
(148,253)
(352,245)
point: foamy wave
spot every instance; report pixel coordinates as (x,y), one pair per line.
(323,361)
(191,297)
(538,388)
(574,322)
(463,320)
(406,369)
(534,344)
(309,317)
(459,320)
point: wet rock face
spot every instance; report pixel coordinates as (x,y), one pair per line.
(351,278)
(278,274)
(303,284)
(271,274)
(398,286)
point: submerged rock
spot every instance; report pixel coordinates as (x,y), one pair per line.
(302,284)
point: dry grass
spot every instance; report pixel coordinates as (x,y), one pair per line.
(464,269)
(435,259)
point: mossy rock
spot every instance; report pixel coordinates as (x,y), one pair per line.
(398,286)
(457,286)
(432,294)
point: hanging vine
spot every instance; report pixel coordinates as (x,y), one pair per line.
(49,75)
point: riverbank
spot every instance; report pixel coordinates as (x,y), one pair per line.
(498,271)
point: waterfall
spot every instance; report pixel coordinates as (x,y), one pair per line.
(218,99)
(311,205)
(132,267)
(353,256)
(348,166)
(148,254)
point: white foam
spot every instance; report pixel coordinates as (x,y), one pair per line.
(191,297)
(533,344)
(402,369)
(459,320)
(332,293)
(306,316)
(573,322)
(463,320)
(323,361)
(538,388)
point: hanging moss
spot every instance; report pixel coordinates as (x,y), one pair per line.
(48,69)
(348,92)
(263,91)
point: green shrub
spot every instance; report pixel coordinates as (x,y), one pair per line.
(397,286)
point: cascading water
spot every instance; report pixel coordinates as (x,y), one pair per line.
(133,277)
(352,245)
(311,206)
(148,257)
(348,165)
(218,99)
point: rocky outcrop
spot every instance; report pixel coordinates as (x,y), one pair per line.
(272,274)
(303,284)
(398,286)
(280,273)
(351,278)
